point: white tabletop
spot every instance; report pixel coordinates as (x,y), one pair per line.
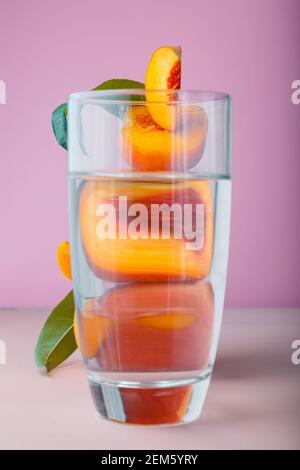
(253,401)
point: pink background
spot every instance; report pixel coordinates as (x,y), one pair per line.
(249,48)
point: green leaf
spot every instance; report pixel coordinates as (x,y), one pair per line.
(59,115)
(57,341)
(118,84)
(60,125)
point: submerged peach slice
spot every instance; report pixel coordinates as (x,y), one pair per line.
(167,321)
(156,406)
(163,73)
(92,331)
(147,259)
(147,147)
(185,403)
(93,328)
(156,327)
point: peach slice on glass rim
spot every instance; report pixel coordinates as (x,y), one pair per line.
(163,73)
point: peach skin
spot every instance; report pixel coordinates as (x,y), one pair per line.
(120,258)
(158,327)
(147,147)
(163,72)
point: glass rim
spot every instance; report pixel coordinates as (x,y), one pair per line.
(120,96)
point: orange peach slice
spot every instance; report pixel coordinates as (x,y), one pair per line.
(64,264)
(167,321)
(144,260)
(147,147)
(163,72)
(92,331)
(144,337)
(94,328)
(64,259)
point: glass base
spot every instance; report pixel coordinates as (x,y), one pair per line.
(170,402)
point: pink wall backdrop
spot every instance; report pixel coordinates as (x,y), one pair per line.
(249,48)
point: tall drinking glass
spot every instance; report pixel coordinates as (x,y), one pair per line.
(149,227)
